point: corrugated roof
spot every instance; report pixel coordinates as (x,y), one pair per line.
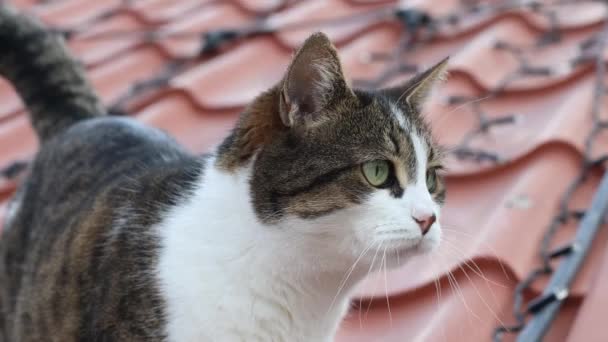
(517,109)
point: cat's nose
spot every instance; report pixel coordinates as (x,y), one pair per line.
(425,220)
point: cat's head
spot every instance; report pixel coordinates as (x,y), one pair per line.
(346,168)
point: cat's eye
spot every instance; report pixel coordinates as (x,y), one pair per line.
(376,172)
(431,180)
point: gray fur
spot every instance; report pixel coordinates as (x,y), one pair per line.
(51,83)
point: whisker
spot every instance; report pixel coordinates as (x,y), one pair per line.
(487,282)
(481,275)
(481,297)
(398,261)
(388,304)
(444,115)
(368,272)
(437,283)
(467,261)
(369,304)
(347,275)
(484,244)
(462,299)
(464,104)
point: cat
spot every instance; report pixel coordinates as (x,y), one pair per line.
(120,234)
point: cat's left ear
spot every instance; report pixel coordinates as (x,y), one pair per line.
(414,92)
(312,82)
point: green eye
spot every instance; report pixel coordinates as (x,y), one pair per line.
(431,180)
(376,172)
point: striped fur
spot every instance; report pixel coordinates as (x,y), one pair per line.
(51,83)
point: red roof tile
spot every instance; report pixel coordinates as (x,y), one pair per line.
(114,79)
(497,211)
(323,12)
(215,84)
(192,127)
(220,15)
(92,48)
(161,11)
(70,13)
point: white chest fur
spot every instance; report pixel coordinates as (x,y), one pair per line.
(227,277)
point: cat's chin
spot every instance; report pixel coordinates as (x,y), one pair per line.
(397,255)
(420,249)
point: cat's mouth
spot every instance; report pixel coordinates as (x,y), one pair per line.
(412,247)
(404,247)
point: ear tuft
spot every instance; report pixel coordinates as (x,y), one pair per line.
(415,91)
(312,80)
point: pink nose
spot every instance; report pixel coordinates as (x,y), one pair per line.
(425,221)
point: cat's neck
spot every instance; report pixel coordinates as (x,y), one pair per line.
(220,268)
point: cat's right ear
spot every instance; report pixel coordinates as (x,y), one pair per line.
(312,81)
(414,92)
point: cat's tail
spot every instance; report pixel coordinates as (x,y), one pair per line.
(51,83)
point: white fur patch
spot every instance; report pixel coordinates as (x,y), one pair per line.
(400,117)
(227,277)
(421,152)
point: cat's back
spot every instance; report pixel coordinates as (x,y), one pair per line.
(78,248)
